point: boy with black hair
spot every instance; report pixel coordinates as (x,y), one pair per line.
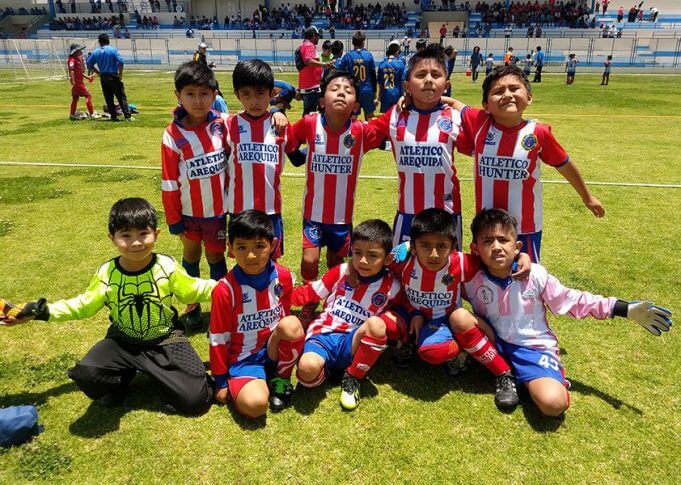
(194,174)
(257,147)
(336,145)
(606,71)
(144,335)
(337,48)
(431,277)
(360,63)
(390,77)
(350,333)
(252,335)
(326,54)
(516,310)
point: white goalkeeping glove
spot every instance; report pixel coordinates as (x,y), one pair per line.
(653,318)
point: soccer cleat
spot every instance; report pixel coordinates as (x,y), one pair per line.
(193,317)
(95,115)
(457,365)
(349,399)
(506,395)
(129,118)
(281,392)
(403,356)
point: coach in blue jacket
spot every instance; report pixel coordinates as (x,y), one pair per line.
(110,70)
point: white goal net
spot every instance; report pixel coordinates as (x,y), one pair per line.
(37,59)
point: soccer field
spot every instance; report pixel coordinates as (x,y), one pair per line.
(413,425)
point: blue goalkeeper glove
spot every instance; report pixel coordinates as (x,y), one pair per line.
(653,318)
(400,252)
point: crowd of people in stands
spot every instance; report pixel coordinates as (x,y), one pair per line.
(6,12)
(560,14)
(95,6)
(88,23)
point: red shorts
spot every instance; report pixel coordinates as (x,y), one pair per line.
(79,90)
(212,231)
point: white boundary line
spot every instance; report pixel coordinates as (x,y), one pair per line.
(300,175)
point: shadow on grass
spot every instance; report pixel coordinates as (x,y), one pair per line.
(36,398)
(247,424)
(587,390)
(538,420)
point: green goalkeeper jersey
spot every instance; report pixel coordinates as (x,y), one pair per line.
(140,303)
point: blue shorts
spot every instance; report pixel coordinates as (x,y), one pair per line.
(257,366)
(366,102)
(402,228)
(278,234)
(335,348)
(571,73)
(530,364)
(435,332)
(336,237)
(531,245)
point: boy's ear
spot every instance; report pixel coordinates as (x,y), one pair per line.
(448,85)
(518,247)
(274,244)
(484,106)
(475,251)
(355,109)
(529,98)
(111,238)
(230,254)
(177,95)
(157,231)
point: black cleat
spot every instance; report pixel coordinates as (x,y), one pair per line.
(281,393)
(403,356)
(506,395)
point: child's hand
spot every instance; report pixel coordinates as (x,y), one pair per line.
(222,395)
(398,254)
(595,206)
(521,268)
(280,122)
(415,326)
(653,318)
(403,103)
(11,321)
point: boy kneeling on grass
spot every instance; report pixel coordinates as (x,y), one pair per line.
(350,334)
(516,310)
(252,335)
(144,334)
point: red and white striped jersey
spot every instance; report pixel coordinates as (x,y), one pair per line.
(255,165)
(332,166)
(346,308)
(423,147)
(507,167)
(194,168)
(243,317)
(436,294)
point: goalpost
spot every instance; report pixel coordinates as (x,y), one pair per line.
(37,59)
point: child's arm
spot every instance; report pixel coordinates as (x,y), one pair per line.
(170,176)
(219,336)
(581,304)
(295,136)
(189,289)
(280,121)
(316,291)
(571,173)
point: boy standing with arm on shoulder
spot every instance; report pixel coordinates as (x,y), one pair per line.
(350,334)
(516,310)
(144,335)
(254,341)
(194,175)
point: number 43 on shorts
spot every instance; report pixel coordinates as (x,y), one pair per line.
(549,362)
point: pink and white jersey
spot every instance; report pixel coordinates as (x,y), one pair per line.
(332,166)
(436,294)
(243,317)
(507,167)
(255,165)
(193,168)
(423,147)
(346,308)
(517,309)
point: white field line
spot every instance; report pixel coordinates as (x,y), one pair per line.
(300,175)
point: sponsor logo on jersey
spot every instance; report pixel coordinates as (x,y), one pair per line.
(529,294)
(379,299)
(445,124)
(257,153)
(412,275)
(417,157)
(259,320)
(529,141)
(216,128)
(349,141)
(489,139)
(246,297)
(331,164)
(503,168)
(484,295)
(242,129)
(318,139)
(222,235)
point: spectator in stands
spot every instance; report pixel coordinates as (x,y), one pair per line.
(406,42)
(508,57)
(605,6)
(606,71)
(620,14)
(189,33)
(310,76)
(653,14)
(538,32)
(110,71)
(539,62)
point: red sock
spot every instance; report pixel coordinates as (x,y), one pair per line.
(370,348)
(90,108)
(481,349)
(74,104)
(289,352)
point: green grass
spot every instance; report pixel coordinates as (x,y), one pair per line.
(413,425)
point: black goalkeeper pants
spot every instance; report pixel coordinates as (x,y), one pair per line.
(110,365)
(113,86)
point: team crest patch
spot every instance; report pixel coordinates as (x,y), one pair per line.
(484,295)
(216,128)
(378,299)
(181,143)
(349,141)
(529,142)
(448,279)
(278,290)
(445,124)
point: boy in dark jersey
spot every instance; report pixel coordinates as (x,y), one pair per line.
(360,63)
(144,335)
